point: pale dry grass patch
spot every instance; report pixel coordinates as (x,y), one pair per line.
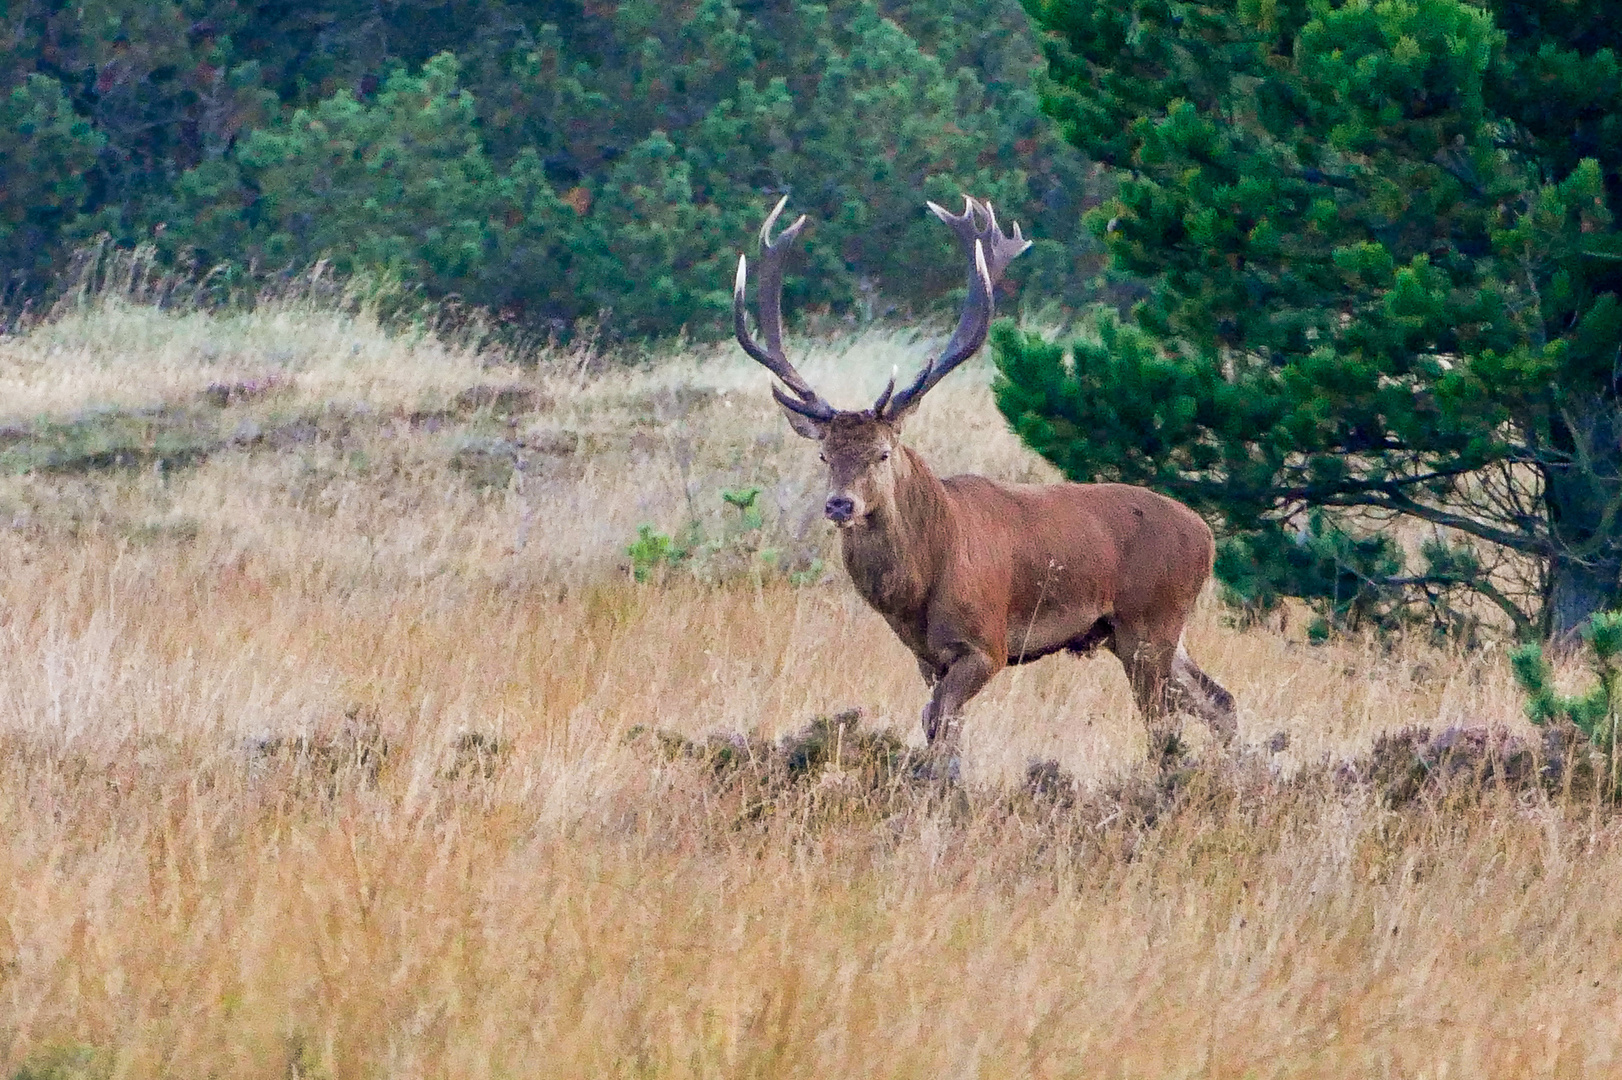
(129,355)
(317,759)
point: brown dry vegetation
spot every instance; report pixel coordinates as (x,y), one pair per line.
(336,740)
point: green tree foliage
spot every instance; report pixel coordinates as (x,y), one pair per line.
(159,91)
(400,184)
(45,150)
(395,183)
(1384,272)
(553,159)
(1595,712)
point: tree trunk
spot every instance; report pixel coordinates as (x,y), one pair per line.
(1578,494)
(1576,591)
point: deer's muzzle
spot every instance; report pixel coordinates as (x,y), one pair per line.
(839,509)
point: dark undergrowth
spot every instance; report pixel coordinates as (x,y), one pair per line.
(248,415)
(851,791)
(837,782)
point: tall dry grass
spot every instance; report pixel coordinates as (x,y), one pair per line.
(314,761)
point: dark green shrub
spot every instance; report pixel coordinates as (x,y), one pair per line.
(1593,712)
(551,162)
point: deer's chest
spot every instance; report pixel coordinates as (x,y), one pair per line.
(892,586)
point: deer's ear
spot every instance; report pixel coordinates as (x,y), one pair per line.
(804,426)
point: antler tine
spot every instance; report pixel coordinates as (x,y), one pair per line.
(1000,249)
(770,316)
(989,252)
(966,339)
(769,297)
(884,398)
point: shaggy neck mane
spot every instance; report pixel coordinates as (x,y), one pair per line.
(894,557)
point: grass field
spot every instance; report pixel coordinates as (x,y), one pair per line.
(337,739)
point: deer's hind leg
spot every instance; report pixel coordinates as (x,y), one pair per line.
(1195,691)
(1149,663)
(1166,682)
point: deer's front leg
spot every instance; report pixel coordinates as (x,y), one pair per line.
(931,673)
(967,670)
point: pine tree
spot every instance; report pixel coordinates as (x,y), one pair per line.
(550,158)
(45,151)
(1383,271)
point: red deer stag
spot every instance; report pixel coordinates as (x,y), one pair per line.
(973,574)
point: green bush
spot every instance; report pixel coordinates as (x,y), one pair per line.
(45,151)
(553,162)
(1593,712)
(651,551)
(400,184)
(739,549)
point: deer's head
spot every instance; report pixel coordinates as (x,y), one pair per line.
(861,447)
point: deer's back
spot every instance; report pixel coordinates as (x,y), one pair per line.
(1055,556)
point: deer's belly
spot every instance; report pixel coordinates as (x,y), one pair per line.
(1035,638)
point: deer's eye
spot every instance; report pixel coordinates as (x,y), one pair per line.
(884,456)
(823,458)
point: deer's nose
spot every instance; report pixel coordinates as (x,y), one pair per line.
(839,508)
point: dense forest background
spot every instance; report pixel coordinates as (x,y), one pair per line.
(553,160)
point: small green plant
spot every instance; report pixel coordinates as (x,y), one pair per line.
(68,1061)
(651,550)
(808,572)
(810,575)
(743,536)
(737,550)
(744,499)
(1594,712)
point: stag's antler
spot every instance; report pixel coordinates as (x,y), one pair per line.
(989,253)
(807,402)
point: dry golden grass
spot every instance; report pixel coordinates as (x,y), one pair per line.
(314,762)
